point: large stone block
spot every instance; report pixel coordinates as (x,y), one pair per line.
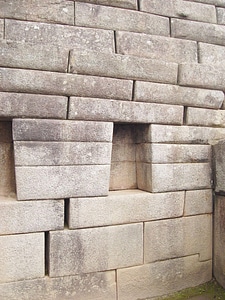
(94,286)
(219,167)
(67,131)
(58,182)
(156,47)
(131,4)
(205,117)
(124,111)
(180,9)
(162,278)
(122,207)
(17,105)
(96,249)
(211,54)
(22,257)
(221,15)
(174,94)
(2,29)
(122,66)
(89,15)
(54,83)
(59,35)
(57,11)
(213,2)
(179,237)
(198,31)
(198,202)
(30,216)
(123,176)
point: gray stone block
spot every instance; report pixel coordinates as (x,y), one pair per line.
(96,249)
(121,207)
(7,177)
(22,257)
(219,166)
(162,278)
(122,152)
(54,83)
(198,202)
(64,130)
(211,54)
(89,15)
(122,176)
(205,117)
(221,15)
(17,105)
(30,216)
(2,28)
(131,4)
(213,2)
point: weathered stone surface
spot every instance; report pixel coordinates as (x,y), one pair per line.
(174,94)
(162,278)
(32,106)
(178,238)
(61,153)
(156,47)
(6,132)
(91,250)
(202,75)
(57,11)
(122,207)
(171,153)
(221,15)
(173,177)
(62,181)
(218,166)
(29,56)
(180,9)
(131,4)
(54,83)
(120,19)
(123,152)
(60,35)
(64,130)
(124,111)
(30,216)
(198,202)
(213,2)
(22,257)
(94,286)
(198,31)
(211,54)
(123,176)
(2,25)
(205,117)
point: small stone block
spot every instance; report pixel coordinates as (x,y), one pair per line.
(198,202)
(205,117)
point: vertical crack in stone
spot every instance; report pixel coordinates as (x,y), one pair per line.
(47,253)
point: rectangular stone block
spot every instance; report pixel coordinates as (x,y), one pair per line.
(198,31)
(174,94)
(22,257)
(57,182)
(218,167)
(213,2)
(198,202)
(2,28)
(30,216)
(60,35)
(61,153)
(221,15)
(122,66)
(173,177)
(122,176)
(180,9)
(205,117)
(178,238)
(89,15)
(124,111)
(64,130)
(131,4)
(90,250)
(162,278)
(17,105)
(121,207)
(56,11)
(54,83)
(211,54)
(156,47)
(122,152)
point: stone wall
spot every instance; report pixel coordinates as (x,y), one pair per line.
(108,110)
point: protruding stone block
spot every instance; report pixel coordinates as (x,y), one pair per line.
(221,15)
(219,166)
(131,4)
(205,117)
(198,202)
(211,54)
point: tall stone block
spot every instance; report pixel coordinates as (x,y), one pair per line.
(218,167)
(2,29)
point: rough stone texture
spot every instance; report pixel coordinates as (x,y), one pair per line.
(221,15)
(94,286)
(32,106)
(62,181)
(205,117)
(131,4)
(198,202)
(122,207)
(174,274)
(169,153)
(123,152)
(60,35)
(178,238)
(2,25)
(30,216)
(124,111)
(213,2)
(122,176)
(211,54)
(61,153)
(156,47)
(180,9)
(54,83)
(122,66)
(198,31)
(219,166)
(174,94)
(173,177)
(91,250)
(22,257)
(89,15)
(55,130)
